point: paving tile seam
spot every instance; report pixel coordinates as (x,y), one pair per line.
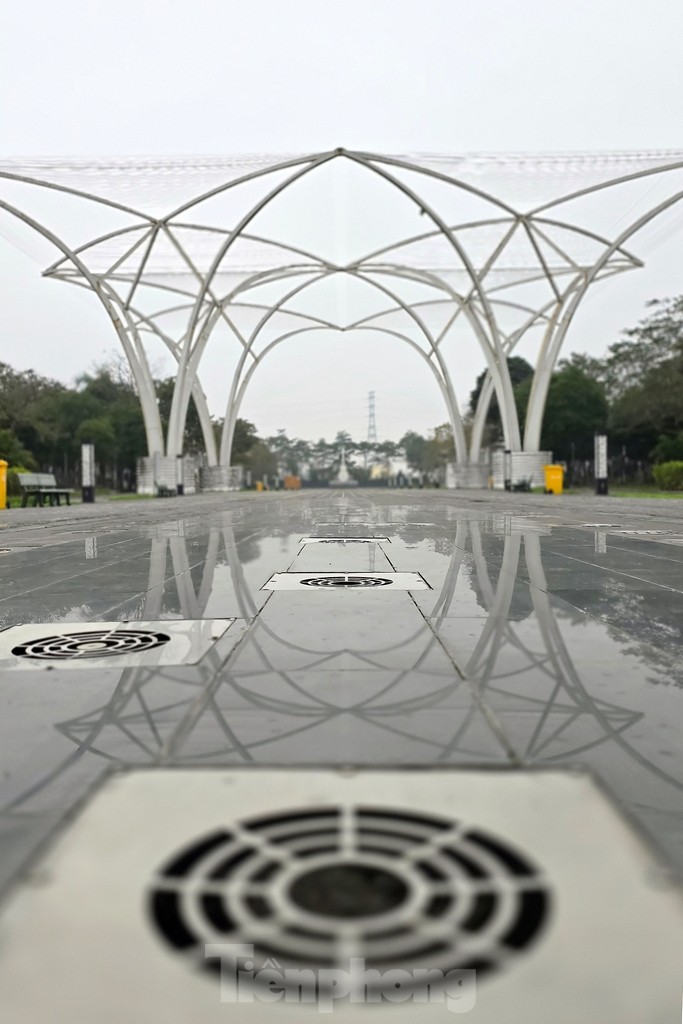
(618,572)
(604,622)
(104,565)
(177,737)
(242,748)
(487,712)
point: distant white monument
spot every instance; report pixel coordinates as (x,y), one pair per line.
(343,478)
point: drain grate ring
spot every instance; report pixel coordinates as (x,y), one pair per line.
(346,581)
(398,888)
(90,644)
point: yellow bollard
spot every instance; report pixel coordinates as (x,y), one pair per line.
(3,484)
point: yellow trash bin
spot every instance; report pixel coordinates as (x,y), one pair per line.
(259,485)
(3,484)
(554,479)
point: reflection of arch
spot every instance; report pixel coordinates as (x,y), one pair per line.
(568,696)
(563,696)
(155,715)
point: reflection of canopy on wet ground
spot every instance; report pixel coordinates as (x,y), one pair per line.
(153,714)
(433,251)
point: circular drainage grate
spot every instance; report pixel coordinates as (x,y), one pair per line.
(345,581)
(91,644)
(313,888)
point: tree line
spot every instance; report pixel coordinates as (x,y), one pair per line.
(320,460)
(633,393)
(43,423)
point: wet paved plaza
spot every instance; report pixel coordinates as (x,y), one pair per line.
(533,633)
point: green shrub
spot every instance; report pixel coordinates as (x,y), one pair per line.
(13,487)
(668,449)
(669,476)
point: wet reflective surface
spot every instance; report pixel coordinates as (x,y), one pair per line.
(541,641)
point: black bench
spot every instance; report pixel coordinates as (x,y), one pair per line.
(40,486)
(163,491)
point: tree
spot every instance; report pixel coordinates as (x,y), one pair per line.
(193,437)
(24,400)
(439,448)
(387,449)
(520,370)
(290,452)
(413,444)
(592,367)
(642,374)
(99,431)
(261,461)
(575,411)
(244,437)
(13,452)
(654,342)
(668,449)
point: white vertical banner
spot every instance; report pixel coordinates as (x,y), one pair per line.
(88,465)
(600,456)
(601,464)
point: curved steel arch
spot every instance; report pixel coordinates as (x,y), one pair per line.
(137,359)
(226,445)
(505,383)
(498,364)
(179,404)
(117,288)
(195,352)
(134,318)
(328,270)
(511,433)
(447,389)
(553,343)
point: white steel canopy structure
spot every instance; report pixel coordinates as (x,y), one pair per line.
(434,251)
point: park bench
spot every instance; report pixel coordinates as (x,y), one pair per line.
(40,486)
(163,491)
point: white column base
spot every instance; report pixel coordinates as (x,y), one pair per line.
(154,471)
(473,476)
(221,478)
(524,466)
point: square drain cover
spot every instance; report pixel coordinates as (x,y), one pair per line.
(108,644)
(528,878)
(345,540)
(346,581)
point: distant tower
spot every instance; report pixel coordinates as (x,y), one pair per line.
(372,425)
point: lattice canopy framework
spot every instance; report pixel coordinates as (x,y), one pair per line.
(435,251)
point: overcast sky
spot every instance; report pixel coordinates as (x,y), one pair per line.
(236,76)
